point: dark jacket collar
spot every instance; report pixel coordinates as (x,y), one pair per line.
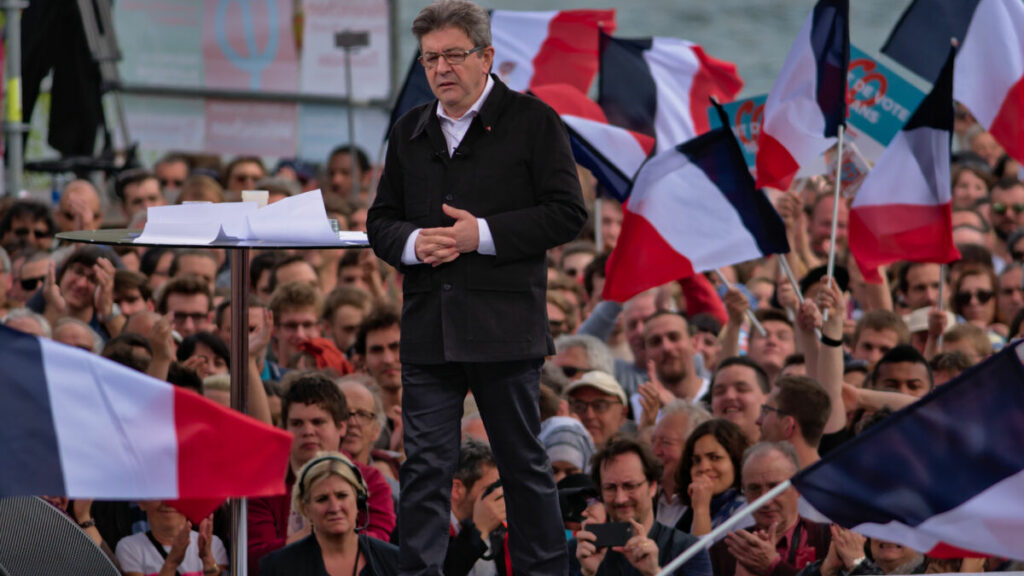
(489,112)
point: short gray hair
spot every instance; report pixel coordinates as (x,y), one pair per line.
(368,384)
(695,414)
(762,448)
(26,313)
(598,355)
(97,340)
(461,14)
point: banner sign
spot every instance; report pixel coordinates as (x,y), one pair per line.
(880,103)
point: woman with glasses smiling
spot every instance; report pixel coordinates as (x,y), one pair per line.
(974,298)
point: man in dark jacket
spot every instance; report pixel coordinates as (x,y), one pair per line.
(477,186)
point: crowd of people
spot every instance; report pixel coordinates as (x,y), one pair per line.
(666,413)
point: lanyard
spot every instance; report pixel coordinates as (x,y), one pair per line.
(159,548)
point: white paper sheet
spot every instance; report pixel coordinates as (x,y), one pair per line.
(196,224)
(298,219)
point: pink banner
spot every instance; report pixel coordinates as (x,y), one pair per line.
(250,45)
(258,128)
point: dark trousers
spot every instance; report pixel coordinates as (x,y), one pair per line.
(507,396)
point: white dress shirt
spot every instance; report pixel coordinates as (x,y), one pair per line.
(454,130)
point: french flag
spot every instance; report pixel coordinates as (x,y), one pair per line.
(807,103)
(693,208)
(661,86)
(903,210)
(612,154)
(989,76)
(81,426)
(942,476)
(536,48)
(531,49)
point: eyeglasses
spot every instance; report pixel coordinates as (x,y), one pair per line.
(754,490)
(195,317)
(572,371)
(83,271)
(453,57)
(765,409)
(1001,207)
(170,182)
(600,406)
(361,417)
(964,298)
(628,487)
(36,232)
(30,284)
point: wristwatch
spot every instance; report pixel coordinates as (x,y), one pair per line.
(87,524)
(115,311)
(856,563)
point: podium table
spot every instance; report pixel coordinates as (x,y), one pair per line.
(239,344)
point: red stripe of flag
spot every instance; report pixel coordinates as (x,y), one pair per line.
(716,78)
(569,54)
(223,453)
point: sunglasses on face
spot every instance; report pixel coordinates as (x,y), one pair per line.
(964,298)
(1002,207)
(30,284)
(572,371)
(36,232)
(170,183)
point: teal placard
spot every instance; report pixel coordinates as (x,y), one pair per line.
(880,103)
(880,100)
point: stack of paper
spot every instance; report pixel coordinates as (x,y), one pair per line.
(299,219)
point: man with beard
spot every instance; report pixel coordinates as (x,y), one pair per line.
(626,473)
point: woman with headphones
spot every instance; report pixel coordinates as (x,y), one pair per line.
(330,492)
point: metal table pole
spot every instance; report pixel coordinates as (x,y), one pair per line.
(239,389)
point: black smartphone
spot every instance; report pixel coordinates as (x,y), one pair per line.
(611,534)
(491,488)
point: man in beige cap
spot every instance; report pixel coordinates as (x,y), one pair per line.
(599,402)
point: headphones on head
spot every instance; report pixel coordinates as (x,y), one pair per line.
(362,491)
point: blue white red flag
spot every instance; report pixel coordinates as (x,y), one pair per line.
(531,49)
(612,154)
(989,77)
(942,476)
(661,86)
(903,210)
(807,103)
(692,208)
(82,426)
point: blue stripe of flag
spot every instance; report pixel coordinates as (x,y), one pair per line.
(718,155)
(626,90)
(28,438)
(919,39)
(930,457)
(830,41)
(936,110)
(610,177)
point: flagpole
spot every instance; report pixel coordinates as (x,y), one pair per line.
(597,224)
(784,264)
(942,276)
(835,213)
(750,313)
(709,539)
